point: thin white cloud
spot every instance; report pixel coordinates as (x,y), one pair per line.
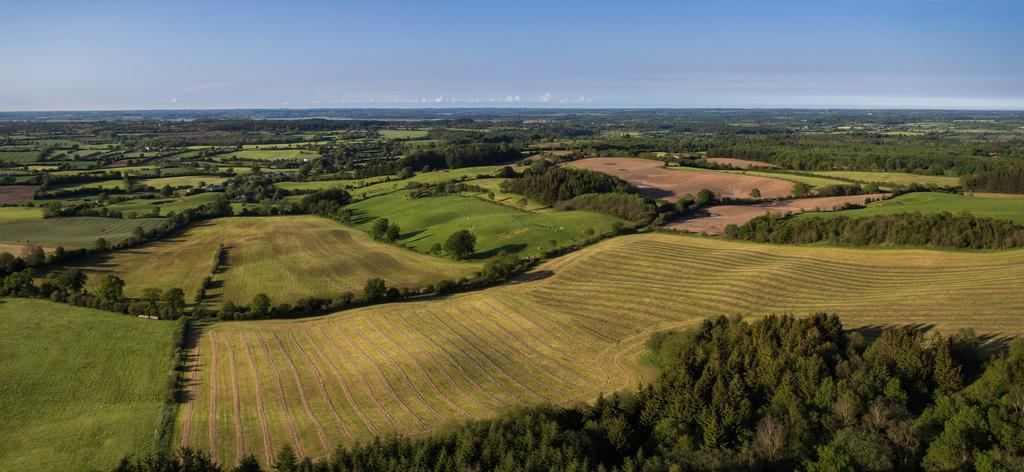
(545,98)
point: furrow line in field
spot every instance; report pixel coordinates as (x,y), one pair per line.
(212,419)
(260,408)
(387,382)
(423,372)
(302,393)
(454,362)
(297,443)
(485,355)
(236,406)
(471,359)
(320,381)
(366,383)
(553,368)
(344,385)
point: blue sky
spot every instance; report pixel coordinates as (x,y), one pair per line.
(723,53)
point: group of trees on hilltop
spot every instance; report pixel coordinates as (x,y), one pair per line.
(454,156)
(563,183)
(1002,180)
(914,229)
(779,393)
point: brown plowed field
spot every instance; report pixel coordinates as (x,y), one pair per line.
(714,219)
(16,193)
(660,182)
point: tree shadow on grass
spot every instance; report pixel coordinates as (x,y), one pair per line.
(184,392)
(510,248)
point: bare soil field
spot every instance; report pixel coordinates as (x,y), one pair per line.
(714,219)
(16,193)
(738,163)
(658,182)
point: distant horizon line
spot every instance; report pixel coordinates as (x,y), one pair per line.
(508,108)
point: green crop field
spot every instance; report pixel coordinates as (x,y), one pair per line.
(18,157)
(286,257)
(20,213)
(428,221)
(108,184)
(71,232)
(809,180)
(81,388)
(933,202)
(897,178)
(413,367)
(182,181)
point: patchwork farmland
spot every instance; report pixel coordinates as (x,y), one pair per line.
(573,331)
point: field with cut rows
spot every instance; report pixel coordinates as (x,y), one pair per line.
(70,232)
(285,257)
(672,184)
(573,329)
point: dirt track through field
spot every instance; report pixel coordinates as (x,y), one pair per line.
(714,219)
(657,181)
(572,329)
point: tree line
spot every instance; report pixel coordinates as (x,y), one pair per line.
(1002,180)
(963,231)
(780,393)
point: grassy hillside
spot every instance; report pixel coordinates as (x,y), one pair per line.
(71,232)
(428,221)
(573,331)
(931,202)
(81,388)
(286,257)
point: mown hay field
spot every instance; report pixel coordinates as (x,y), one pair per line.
(934,202)
(573,329)
(72,231)
(81,388)
(285,257)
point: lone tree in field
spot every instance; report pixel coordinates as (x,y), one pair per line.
(461,244)
(375,290)
(380,229)
(705,196)
(755,193)
(800,189)
(110,289)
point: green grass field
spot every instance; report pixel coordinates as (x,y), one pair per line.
(896,178)
(403,133)
(19,213)
(71,232)
(182,181)
(809,180)
(377,186)
(933,202)
(286,257)
(81,388)
(428,221)
(109,184)
(142,206)
(416,366)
